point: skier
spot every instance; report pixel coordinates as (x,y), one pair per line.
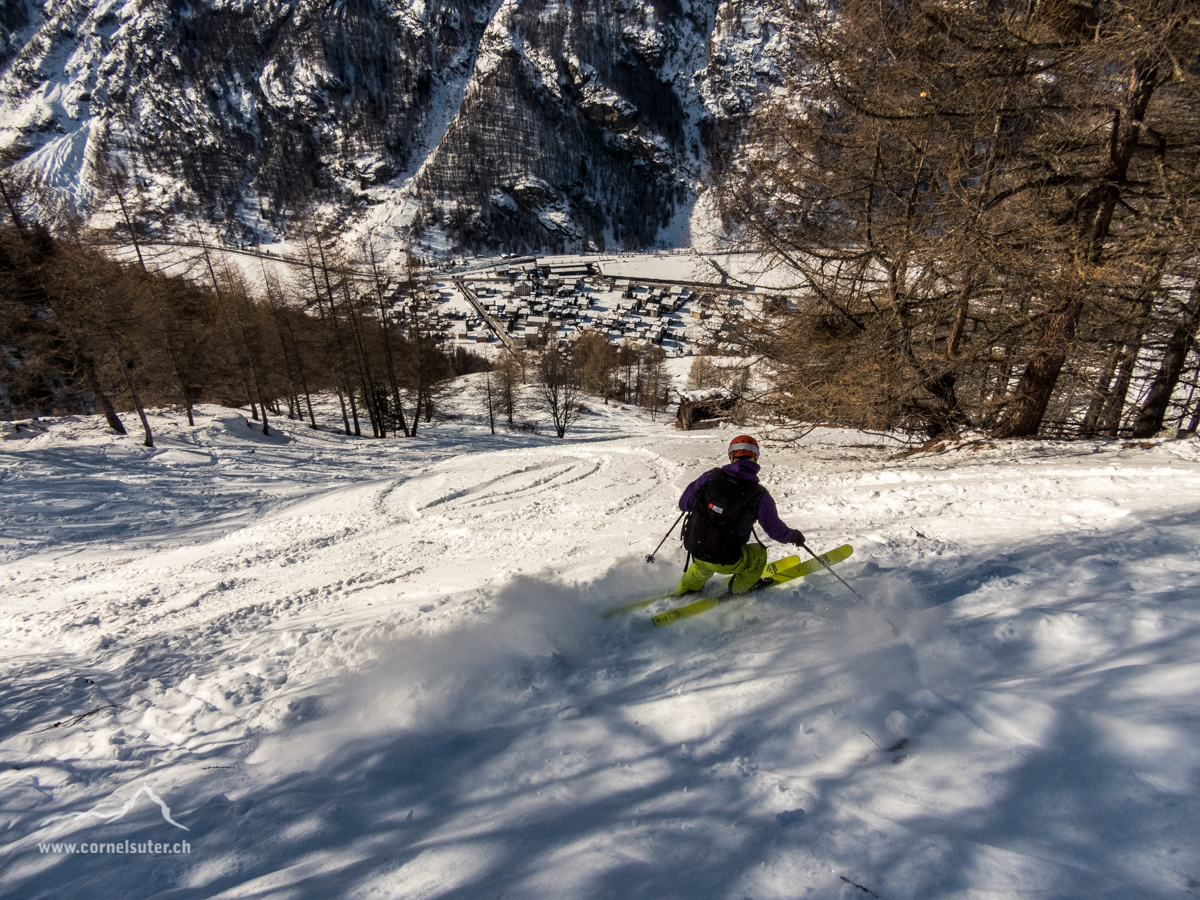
(722,506)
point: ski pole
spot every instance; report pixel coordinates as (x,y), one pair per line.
(650,556)
(895,630)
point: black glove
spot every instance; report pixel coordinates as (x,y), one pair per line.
(797,537)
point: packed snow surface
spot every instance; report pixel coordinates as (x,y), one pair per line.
(366,668)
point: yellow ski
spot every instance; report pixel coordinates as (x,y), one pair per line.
(779,576)
(780,565)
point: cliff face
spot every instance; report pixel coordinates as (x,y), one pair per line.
(519,125)
(576,123)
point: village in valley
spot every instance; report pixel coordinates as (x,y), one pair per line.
(529,301)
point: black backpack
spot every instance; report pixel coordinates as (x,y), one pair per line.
(721,518)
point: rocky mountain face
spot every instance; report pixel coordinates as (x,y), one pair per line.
(470,124)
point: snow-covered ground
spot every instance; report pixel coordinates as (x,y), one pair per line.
(356,668)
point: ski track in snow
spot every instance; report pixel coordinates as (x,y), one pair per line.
(377,668)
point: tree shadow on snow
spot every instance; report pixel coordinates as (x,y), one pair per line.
(1024,752)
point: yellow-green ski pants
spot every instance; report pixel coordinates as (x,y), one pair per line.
(746,571)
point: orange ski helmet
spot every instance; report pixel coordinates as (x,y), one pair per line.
(743,447)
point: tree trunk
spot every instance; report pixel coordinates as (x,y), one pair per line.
(300,370)
(364,368)
(1101,393)
(354,413)
(491,408)
(93,383)
(1192,425)
(960,316)
(1110,419)
(1154,408)
(1027,407)
(179,377)
(228,329)
(337,334)
(115,340)
(1094,211)
(88,365)
(287,364)
(241,323)
(387,347)
(117,188)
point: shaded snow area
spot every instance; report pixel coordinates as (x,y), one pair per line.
(357,668)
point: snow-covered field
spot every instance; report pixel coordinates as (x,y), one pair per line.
(355,668)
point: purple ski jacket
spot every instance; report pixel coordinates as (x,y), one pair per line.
(768,516)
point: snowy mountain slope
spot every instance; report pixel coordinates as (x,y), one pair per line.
(357,668)
(268,104)
(506,124)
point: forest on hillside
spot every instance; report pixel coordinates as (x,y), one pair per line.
(989,211)
(90,322)
(985,213)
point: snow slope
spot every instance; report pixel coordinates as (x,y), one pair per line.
(378,669)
